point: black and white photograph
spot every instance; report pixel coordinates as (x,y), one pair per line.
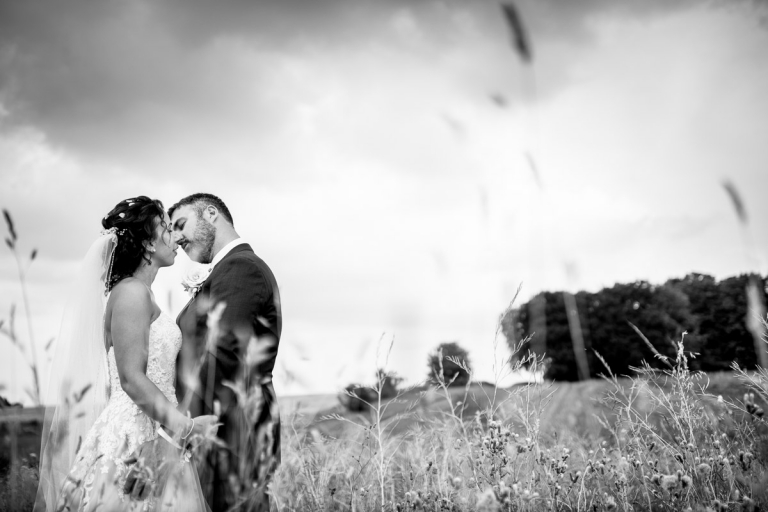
(384,255)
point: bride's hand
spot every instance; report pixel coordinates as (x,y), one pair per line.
(206,425)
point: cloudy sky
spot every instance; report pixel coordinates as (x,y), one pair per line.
(377,154)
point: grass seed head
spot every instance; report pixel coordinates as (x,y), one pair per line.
(703,470)
(668,482)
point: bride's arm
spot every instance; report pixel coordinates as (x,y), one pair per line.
(129,327)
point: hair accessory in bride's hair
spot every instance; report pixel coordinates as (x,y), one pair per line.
(109,274)
(113,231)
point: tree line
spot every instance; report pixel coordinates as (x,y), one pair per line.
(713,314)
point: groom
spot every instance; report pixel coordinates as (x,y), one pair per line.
(236,351)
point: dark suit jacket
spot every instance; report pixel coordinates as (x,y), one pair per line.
(247,287)
(251,318)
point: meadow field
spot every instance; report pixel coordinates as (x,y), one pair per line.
(660,441)
(671,440)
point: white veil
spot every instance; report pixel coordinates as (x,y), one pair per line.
(79,380)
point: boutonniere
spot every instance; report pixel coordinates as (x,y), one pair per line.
(194,280)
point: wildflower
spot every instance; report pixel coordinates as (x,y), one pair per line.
(488,498)
(668,482)
(687,481)
(746,460)
(457,481)
(610,503)
(408,496)
(703,470)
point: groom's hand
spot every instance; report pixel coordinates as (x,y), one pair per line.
(143,464)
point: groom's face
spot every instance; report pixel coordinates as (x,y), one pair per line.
(193,233)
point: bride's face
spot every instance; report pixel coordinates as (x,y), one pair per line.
(165,246)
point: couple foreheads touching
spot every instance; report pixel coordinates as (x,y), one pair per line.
(150,413)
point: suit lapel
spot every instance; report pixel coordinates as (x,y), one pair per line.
(183,311)
(240,248)
(192,299)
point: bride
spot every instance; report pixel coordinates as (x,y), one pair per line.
(113,379)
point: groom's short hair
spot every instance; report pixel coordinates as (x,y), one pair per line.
(199,201)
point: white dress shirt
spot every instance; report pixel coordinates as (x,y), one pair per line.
(225,250)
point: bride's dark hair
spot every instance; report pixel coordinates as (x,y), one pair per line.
(135,221)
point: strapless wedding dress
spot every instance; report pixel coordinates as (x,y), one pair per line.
(99,470)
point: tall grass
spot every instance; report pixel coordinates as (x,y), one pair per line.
(667,443)
(670,445)
(22,266)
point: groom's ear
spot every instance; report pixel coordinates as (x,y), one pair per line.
(211,213)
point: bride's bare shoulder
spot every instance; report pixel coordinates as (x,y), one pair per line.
(130,293)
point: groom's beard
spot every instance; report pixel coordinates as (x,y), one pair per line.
(205,234)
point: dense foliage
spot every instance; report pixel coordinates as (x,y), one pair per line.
(357,397)
(712,313)
(453,361)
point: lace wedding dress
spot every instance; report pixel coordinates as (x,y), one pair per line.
(99,472)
